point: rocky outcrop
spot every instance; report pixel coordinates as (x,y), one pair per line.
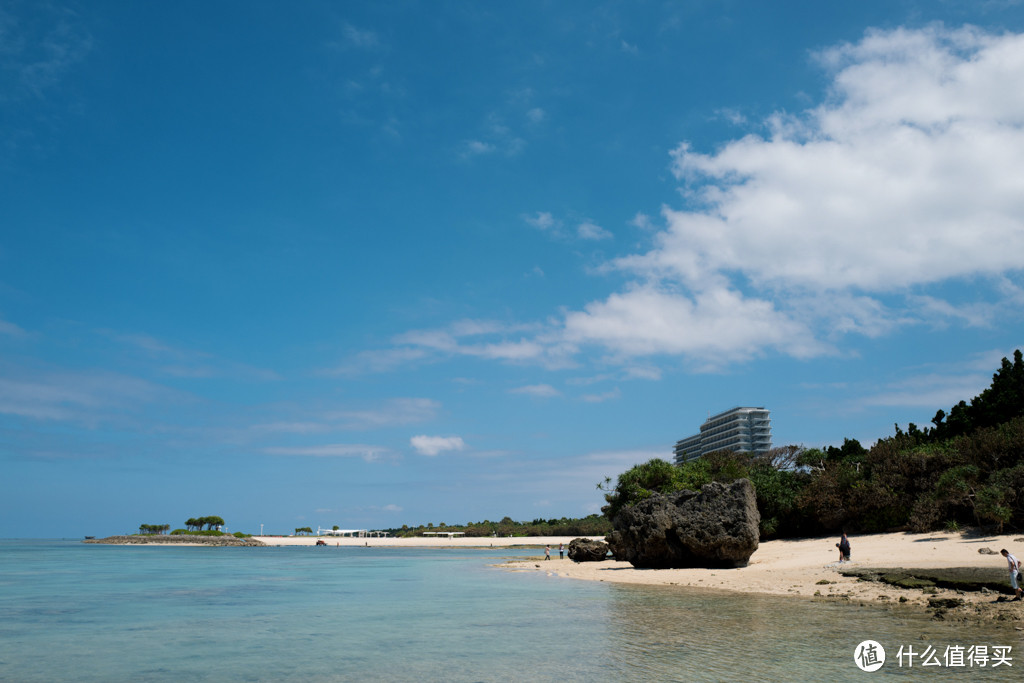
(177,539)
(587,550)
(963,579)
(715,527)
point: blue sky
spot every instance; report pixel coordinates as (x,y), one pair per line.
(370,264)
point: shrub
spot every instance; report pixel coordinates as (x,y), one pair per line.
(638,483)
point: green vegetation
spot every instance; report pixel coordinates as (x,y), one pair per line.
(593,525)
(968,469)
(194,527)
(197,523)
(303,530)
(778,484)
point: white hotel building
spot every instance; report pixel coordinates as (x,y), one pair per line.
(737,429)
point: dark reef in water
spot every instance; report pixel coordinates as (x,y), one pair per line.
(967,579)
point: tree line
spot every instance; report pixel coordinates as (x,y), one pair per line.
(592,525)
(967,469)
(197,523)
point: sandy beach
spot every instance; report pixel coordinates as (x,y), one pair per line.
(426,541)
(802,567)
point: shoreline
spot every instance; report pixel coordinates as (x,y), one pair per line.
(347,541)
(809,568)
(427,542)
(176,541)
(804,568)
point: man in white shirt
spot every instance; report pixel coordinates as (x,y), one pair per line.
(1014,568)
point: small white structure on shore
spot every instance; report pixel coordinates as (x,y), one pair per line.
(351,533)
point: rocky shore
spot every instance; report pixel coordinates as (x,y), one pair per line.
(959,594)
(955,577)
(176,540)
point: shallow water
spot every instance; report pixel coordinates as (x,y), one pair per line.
(70,611)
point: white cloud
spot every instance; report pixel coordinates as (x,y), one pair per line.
(359,38)
(11,330)
(859,216)
(733,116)
(294,427)
(538,390)
(542,220)
(382,360)
(929,391)
(973,314)
(941,387)
(646,320)
(601,398)
(906,176)
(391,413)
(554,227)
(477,148)
(494,137)
(536,115)
(150,344)
(838,222)
(42,52)
(433,445)
(453,340)
(186,363)
(642,221)
(364,451)
(591,231)
(84,397)
(648,372)
(577,471)
(395,412)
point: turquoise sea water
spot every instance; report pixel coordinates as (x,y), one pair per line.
(76,612)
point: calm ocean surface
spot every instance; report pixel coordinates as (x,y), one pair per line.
(76,612)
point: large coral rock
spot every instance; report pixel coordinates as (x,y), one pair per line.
(715,527)
(587,550)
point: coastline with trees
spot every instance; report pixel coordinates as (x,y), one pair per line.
(967,470)
(927,510)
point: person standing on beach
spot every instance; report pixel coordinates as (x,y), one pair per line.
(547,552)
(844,548)
(561,551)
(1014,571)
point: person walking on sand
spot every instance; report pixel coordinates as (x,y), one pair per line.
(547,552)
(1014,572)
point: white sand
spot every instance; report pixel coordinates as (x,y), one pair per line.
(790,567)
